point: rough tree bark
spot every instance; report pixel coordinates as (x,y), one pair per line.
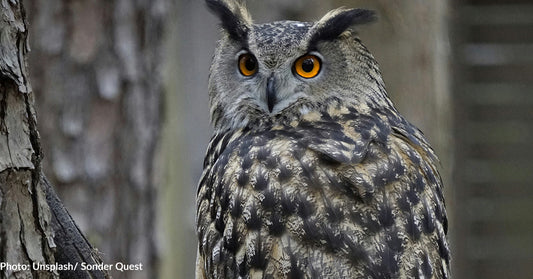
(34,226)
(95,66)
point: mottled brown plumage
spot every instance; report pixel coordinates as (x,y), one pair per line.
(330,182)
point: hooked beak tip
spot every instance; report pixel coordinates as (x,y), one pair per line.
(271,93)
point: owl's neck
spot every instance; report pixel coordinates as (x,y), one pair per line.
(253,118)
(331,109)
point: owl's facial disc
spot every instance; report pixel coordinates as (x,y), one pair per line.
(275,88)
(270,69)
(280,91)
(283,89)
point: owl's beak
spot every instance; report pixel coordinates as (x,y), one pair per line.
(271,93)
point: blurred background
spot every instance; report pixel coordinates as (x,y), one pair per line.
(121,92)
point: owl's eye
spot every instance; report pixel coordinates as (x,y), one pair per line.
(307,66)
(247,64)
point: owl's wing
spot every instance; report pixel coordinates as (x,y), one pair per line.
(368,193)
(381,185)
(200,266)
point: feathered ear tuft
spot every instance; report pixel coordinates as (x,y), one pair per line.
(334,23)
(234,18)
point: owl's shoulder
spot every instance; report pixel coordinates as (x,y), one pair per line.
(337,138)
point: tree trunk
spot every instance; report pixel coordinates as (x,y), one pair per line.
(96,72)
(25,233)
(35,229)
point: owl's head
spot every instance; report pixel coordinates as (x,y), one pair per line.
(263,73)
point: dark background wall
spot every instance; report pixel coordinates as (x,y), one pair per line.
(493,138)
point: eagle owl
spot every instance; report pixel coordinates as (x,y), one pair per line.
(311,171)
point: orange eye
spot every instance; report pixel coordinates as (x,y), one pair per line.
(247,65)
(307,66)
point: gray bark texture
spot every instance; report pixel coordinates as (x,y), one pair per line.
(95,66)
(34,226)
(25,232)
(72,246)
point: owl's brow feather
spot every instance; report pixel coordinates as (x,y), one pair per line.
(230,21)
(333,26)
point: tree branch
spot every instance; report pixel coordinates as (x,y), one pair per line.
(72,246)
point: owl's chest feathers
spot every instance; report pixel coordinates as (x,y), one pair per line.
(350,150)
(324,158)
(340,181)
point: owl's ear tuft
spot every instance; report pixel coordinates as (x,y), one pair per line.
(334,23)
(234,18)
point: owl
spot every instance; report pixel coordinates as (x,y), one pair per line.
(311,172)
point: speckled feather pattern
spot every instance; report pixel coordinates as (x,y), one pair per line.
(266,37)
(337,185)
(338,195)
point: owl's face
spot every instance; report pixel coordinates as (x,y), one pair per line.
(281,70)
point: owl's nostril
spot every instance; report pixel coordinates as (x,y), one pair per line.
(271,93)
